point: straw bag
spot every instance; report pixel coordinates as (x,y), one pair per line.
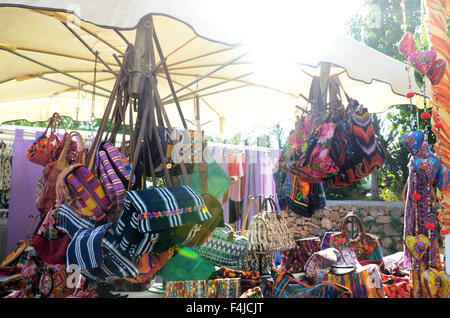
(268,231)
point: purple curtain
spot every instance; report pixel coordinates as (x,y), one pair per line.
(24,176)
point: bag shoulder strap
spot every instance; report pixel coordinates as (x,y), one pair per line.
(204,176)
(247,212)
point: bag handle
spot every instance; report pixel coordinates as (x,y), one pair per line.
(204,176)
(61,163)
(270,200)
(349,216)
(247,213)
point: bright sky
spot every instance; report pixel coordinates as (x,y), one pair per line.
(263,31)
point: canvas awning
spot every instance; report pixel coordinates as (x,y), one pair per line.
(47,63)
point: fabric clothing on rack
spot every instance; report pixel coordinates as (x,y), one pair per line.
(236,171)
(24,176)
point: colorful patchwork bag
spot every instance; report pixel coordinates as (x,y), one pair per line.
(82,192)
(354,147)
(113,171)
(294,260)
(366,246)
(225,248)
(268,231)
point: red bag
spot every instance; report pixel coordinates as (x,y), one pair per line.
(50,243)
(47,148)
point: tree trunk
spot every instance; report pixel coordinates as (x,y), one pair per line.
(374,190)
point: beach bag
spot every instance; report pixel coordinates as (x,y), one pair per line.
(294,260)
(225,248)
(268,231)
(113,171)
(307,155)
(366,246)
(354,147)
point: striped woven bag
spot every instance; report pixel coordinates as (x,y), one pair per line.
(113,171)
(82,192)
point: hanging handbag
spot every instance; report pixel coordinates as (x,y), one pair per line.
(48,146)
(307,154)
(67,156)
(170,145)
(268,231)
(82,192)
(300,197)
(113,171)
(354,147)
(294,260)
(50,243)
(160,209)
(366,246)
(224,248)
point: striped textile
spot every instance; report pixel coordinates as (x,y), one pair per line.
(113,173)
(69,222)
(85,249)
(164,208)
(365,282)
(83,192)
(131,242)
(114,263)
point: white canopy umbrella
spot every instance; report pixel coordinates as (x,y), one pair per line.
(47,62)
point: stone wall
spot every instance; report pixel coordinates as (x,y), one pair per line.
(384,219)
